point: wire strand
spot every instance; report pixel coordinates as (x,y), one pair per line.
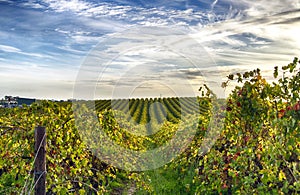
(25,185)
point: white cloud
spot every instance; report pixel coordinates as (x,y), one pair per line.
(33,5)
(102,25)
(7,48)
(261,7)
(69,49)
(83,39)
(10,49)
(268,36)
(145,55)
(67,5)
(128,14)
(213,4)
(260,30)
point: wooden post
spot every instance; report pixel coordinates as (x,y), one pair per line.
(40,162)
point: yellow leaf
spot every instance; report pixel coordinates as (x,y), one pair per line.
(281,175)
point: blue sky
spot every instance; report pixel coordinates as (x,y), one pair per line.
(60,49)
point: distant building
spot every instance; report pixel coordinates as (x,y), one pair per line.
(27,101)
(11,102)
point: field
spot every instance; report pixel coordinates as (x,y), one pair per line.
(246,144)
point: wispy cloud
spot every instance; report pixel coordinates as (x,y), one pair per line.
(213,4)
(260,7)
(11,49)
(255,40)
(7,48)
(67,5)
(7,1)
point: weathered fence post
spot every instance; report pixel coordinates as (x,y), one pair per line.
(40,162)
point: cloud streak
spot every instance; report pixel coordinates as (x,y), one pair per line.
(7,48)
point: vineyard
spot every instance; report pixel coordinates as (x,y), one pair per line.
(156,110)
(246,144)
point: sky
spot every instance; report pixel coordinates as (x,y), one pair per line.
(88,49)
